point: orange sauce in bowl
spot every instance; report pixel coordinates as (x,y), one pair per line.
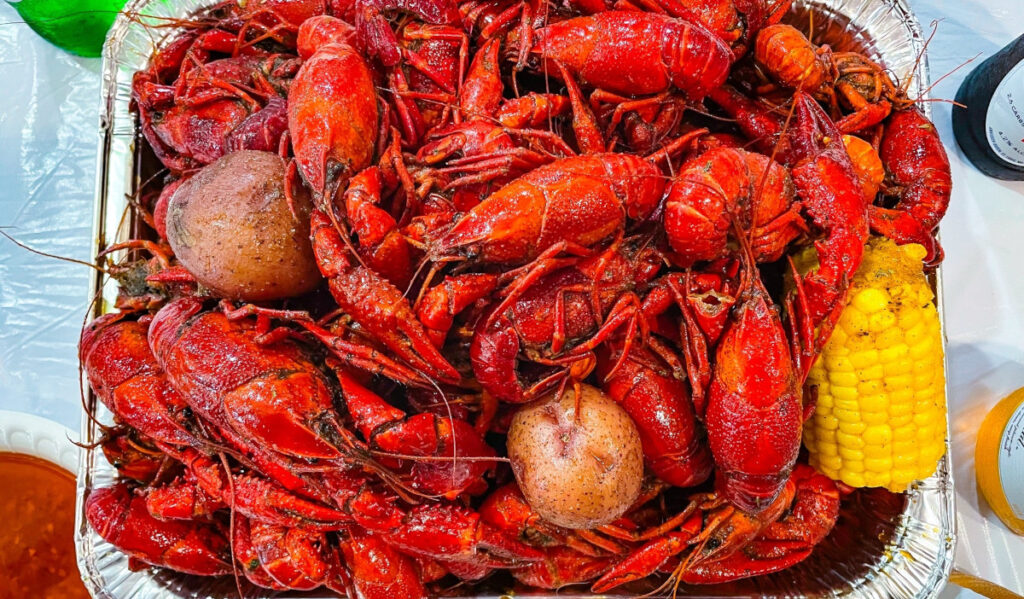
(37,530)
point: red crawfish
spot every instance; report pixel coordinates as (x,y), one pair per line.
(659,404)
(376,35)
(867,164)
(846,81)
(569,203)
(274,394)
(457,535)
(374,232)
(121,518)
(831,195)
(479,151)
(469,157)
(570,556)
(378,570)
(736,22)
(333,116)
(562,567)
(784,542)
(630,52)
(281,558)
(132,454)
(918,176)
(754,411)
(206,487)
(193,108)
(124,374)
(419,443)
(376,303)
(278,20)
(555,321)
(730,544)
(722,184)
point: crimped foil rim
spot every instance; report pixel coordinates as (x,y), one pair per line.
(917,554)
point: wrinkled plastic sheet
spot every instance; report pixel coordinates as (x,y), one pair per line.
(983,234)
(48,135)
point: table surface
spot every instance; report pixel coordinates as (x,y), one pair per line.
(48,138)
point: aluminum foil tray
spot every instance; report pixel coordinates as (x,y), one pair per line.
(884,545)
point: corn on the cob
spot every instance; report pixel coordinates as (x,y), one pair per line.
(880,419)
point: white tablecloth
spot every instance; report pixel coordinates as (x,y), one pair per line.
(48,136)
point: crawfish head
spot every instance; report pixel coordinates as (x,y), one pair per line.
(333,117)
(273,394)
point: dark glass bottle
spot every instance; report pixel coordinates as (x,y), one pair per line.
(990,130)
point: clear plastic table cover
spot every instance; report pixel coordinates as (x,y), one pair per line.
(48,136)
(48,118)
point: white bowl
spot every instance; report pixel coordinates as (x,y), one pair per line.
(38,437)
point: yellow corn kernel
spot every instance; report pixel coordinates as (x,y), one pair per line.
(850,455)
(881,321)
(878,402)
(893,354)
(864,359)
(827,449)
(843,379)
(878,435)
(901,420)
(845,404)
(851,441)
(836,363)
(852,477)
(880,416)
(877,451)
(870,299)
(839,393)
(875,417)
(874,478)
(888,338)
(873,372)
(852,428)
(828,423)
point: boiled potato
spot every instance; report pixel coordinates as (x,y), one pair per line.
(576,470)
(231,227)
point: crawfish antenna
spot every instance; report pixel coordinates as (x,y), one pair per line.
(47,255)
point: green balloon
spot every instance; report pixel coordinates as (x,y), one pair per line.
(79,27)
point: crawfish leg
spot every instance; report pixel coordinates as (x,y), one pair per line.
(644,561)
(375,303)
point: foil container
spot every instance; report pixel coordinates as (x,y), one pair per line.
(884,544)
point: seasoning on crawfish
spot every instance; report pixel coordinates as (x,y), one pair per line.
(510,200)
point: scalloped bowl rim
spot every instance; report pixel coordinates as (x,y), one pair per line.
(38,437)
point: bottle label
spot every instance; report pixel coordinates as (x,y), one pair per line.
(1004,122)
(1011,462)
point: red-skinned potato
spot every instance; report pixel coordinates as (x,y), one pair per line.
(231,227)
(576,470)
